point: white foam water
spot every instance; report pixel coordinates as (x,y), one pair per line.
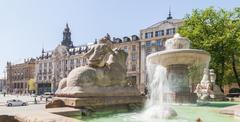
(157,108)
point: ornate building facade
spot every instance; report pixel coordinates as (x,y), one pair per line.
(54,65)
(18,75)
(153,39)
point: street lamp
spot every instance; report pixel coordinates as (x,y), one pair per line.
(53,84)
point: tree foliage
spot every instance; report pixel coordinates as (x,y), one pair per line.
(218,32)
(31,85)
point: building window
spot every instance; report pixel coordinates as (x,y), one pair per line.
(126,49)
(50,64)
(40,66)
(50,71)
(78,62)
(171,31)
(148,35)
(148,50)
(133,47)
(66,62)
(159,43)
(159,33)
(21,85)
(134,57)
(72,62)
(148,44)
(134,67)
(45,65)
(65,68)
(45,71)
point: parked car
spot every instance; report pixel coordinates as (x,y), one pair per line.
(15,102)
(47,95)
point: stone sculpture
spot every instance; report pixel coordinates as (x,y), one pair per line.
(100,83)
(207,88)
(203,89)
(98,54)
(217,93)
(106,67)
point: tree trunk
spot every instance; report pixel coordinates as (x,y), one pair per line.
(235,70)
(222,67)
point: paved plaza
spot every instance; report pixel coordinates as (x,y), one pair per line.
(5,110)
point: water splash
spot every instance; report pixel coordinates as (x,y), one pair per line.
(157,105)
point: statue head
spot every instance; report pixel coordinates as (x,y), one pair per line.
(119,57)
(105,40)
(122,55)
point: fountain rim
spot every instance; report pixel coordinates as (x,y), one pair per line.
(178,51)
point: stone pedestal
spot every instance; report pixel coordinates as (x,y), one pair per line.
(178,83)
(98,102)
(177,77)
(98,97)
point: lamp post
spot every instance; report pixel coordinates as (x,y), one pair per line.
(53,85)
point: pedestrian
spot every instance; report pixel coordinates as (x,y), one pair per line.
(4,94)
(46,99)
(41,98)
(35,100)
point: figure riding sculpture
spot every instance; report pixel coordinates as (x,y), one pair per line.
(106,67)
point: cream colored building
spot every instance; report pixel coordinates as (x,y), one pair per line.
(153,40)
(131,45)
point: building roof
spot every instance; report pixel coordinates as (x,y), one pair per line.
(172,21)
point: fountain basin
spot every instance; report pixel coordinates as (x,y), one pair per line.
(179,56)
(186,113)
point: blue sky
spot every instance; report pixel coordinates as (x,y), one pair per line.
(28,25)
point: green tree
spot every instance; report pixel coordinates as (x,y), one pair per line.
(218,32)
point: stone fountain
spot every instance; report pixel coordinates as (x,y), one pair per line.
(168,77)
(178,58)
(100,84)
